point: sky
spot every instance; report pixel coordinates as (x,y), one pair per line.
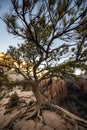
(6,39)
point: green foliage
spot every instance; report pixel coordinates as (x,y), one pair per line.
(3,78)
(41,24)
(13,101)
(26,87)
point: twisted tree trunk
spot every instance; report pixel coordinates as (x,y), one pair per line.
(41,100)
(39,97)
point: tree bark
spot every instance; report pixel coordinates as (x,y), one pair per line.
(41,99)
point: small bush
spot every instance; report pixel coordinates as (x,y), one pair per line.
(14,100)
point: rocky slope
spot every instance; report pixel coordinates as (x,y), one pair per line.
(18,117)
(23,115)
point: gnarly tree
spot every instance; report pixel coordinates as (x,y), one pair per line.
(42,24)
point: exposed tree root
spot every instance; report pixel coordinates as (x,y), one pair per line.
(35,111)
(32,110)
(39,113)
(75,120)
(11,123)
(31,105)
(31,115)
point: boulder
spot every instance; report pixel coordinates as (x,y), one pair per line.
(28,125)
(53,120)
(39,126)
(18,125)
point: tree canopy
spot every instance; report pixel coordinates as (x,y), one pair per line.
(54,34)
